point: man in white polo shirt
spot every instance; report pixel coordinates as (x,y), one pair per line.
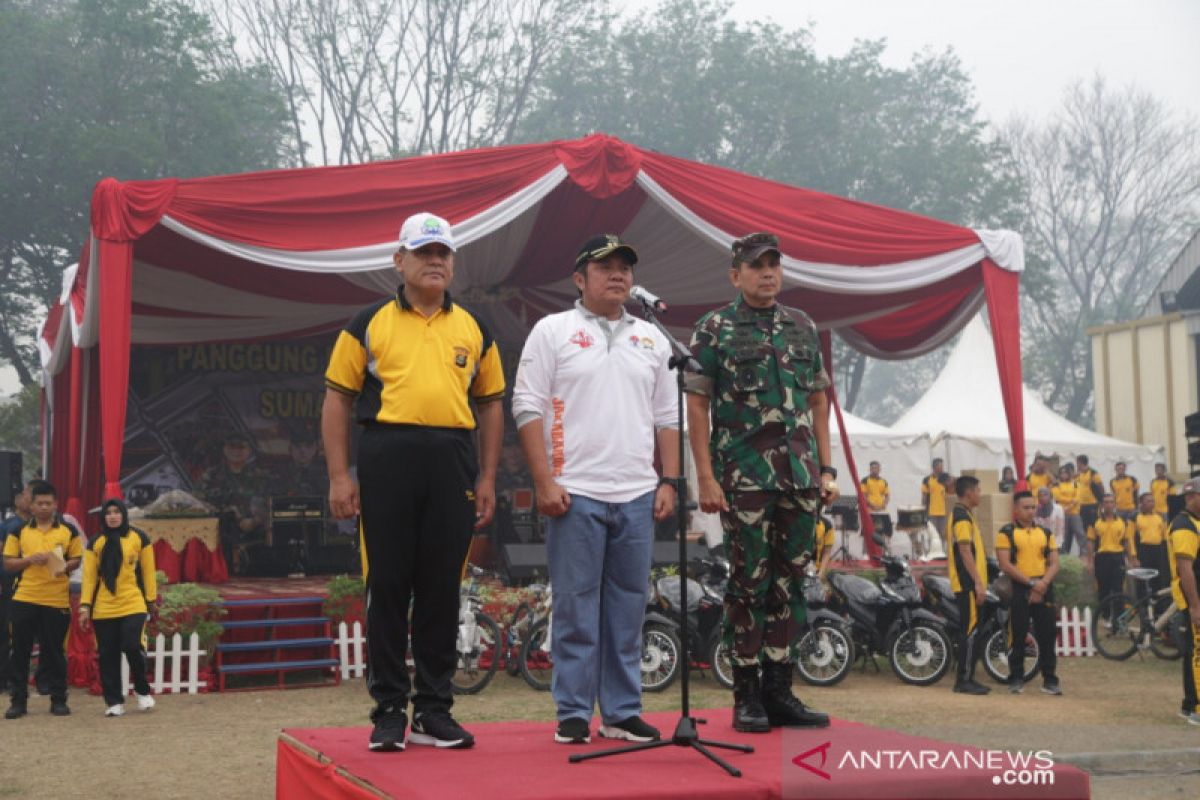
(593,393)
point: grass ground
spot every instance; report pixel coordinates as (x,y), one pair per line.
(223,745)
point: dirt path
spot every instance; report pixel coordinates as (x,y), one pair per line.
(223,746)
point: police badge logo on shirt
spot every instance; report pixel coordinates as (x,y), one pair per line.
(460,356)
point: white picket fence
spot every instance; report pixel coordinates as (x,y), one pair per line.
(184,677)
(351,644)
(1075,632)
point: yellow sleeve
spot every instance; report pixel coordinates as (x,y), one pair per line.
(1091,533)
(1129,530)
(149,578)
(1002,541)
(1050,543)
(925,487)
(12,546)
(1185,543)
(489,381)
(963,532)
(91,568)
(347,365)
(75,547)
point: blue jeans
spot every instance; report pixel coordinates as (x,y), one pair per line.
(599,556)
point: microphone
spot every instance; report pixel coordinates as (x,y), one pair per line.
(648,298)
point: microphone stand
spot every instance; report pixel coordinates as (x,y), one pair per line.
(685,734)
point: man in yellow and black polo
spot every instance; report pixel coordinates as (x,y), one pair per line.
(933,495)
(1028,555)
(1150,533)
(42,553)
(1185,580)
(1161,487)
(967,566)
(409,367)
(1125,490)
(1039,475)
(1110,541)
(1089,489)
(875,488)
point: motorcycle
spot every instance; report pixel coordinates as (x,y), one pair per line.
(705,594)
(825,647)
(939,598)
(888,618)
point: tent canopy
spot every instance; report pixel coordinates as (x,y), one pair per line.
(294,252)
(962,415)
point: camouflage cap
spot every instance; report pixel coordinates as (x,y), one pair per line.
(752,245)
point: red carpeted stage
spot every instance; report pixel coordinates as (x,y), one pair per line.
(521,760)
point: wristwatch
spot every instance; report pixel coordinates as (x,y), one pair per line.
(667,480)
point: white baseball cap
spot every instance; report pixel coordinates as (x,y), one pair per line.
(424,228)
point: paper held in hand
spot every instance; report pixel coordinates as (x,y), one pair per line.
(55,561)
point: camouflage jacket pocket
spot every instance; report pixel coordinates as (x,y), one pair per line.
(749,367)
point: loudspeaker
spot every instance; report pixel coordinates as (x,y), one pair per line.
(524,561)
(334,559)
(10,477)
(1193,452)
(1175,505)
(1191,425)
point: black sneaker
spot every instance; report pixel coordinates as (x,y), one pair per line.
(971,687)
(633,729)
(438,729)
(16,710)
(573,730)
(59,708)
(1052,687)
(1016,685)
(388,736)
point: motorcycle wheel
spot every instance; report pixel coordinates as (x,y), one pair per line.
(995,657)
(920,655)
(536,665)
(661,654)
(479,658)
(721,663)
(824,654)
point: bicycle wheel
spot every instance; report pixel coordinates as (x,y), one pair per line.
(995,657)
(479,648)
(536,665)
(517,631)
(824,654)
(1165,642)
(1116,627)
(661,657)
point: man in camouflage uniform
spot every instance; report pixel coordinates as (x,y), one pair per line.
(238,489)
(761,391)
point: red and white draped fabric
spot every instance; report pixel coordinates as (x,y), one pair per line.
(287,253)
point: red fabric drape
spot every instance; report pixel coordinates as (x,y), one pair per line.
(299,777)
(193,561)
(866,524)
(60,415)
(1004,313)
(82,667)
(603,166)
(69,489)
(166,560)
(92,478)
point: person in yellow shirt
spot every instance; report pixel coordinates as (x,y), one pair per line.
(1125,490)
(1110,542)
(43,552)
(826,536)
(878,493)
(118,585)
(1066,495)
(1161,487)
(1185,578)
(933,496)
(967,568)
(1039,475)
(1028,555)
(1090,488)
(1150,544)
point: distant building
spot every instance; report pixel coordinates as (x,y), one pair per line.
(1145,372)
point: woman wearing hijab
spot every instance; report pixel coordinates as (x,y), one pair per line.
(118,582)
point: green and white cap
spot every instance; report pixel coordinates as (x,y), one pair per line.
(425,228)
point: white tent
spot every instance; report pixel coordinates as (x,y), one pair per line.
(963,415)
(903,458)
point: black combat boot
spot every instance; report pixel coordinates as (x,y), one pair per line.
(783,708)
(748,713)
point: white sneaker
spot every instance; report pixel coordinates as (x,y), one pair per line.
(1193,718)
(145,702)
(115,711)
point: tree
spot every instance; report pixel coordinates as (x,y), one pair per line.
(20,426)
(369,79)
(90,88)
(1113,182)
(685,79)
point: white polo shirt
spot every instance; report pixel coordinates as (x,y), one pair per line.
(602,392)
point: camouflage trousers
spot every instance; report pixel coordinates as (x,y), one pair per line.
(769,537)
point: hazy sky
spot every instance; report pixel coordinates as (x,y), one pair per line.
(1021,53)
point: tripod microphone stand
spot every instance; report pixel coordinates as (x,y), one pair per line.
(685,734)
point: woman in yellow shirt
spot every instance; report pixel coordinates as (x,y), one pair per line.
(118,582)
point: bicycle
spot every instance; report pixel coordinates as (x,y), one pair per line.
(1122,626)
(535,663)
(478,647)
(517,629)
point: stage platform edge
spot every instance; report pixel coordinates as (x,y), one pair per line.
(521,760)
